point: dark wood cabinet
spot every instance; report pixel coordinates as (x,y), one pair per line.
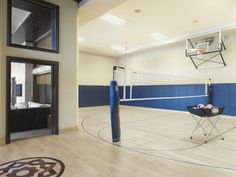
(29,119)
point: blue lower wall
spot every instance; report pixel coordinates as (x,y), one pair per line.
(148,91)
(223,94)
(90,95)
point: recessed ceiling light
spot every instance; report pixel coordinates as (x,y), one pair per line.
(159,36)
(82,39)
(195,21)
(115,20)
(137,10)
(118,48)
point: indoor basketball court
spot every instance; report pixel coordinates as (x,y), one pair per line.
(118,88)
(174,112)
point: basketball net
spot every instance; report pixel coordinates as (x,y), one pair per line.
(200,51)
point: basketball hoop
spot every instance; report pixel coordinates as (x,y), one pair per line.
(203,48)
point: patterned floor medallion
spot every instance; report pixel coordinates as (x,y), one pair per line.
(33,167)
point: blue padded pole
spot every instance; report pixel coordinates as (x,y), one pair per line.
(114,111)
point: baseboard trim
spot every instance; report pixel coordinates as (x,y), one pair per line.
(2,141)
(63,130)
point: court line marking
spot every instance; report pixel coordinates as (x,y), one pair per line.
(159,156)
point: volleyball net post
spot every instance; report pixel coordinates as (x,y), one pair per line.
(114,105)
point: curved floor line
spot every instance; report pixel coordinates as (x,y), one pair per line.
(159,116)
(179,149)
(153,155)
(173,159)
(152,149)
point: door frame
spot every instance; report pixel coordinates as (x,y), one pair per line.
(55,91)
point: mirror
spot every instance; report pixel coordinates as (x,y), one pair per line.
(33,25)
(30,84)
(31,100)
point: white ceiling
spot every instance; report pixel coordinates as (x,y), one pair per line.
(173,18)
(91,9)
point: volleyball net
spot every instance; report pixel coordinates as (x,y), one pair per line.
(136,85)
(129,86)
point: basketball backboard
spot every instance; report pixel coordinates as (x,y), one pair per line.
(204,44)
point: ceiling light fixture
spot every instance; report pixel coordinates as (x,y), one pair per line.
(159,36)
(115,20)
(118,48)
(82,39)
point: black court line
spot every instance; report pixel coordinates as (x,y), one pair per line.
(156,133)
(153,149)
(154,155)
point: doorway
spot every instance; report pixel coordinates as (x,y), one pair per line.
(31,98)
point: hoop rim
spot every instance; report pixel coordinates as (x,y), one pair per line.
(200,50)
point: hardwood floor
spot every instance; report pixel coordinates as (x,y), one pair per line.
(154,143)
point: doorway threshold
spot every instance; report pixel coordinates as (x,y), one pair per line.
(30,134)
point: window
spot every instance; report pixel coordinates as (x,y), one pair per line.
(33,25)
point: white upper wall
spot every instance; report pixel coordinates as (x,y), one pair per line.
(172,60)
(95,70)
(67,58)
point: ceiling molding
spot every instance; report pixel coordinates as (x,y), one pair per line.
(180,39)
(97,53)
(81,2)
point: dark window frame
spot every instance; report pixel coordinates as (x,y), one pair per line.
(55,89)
(40,3)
